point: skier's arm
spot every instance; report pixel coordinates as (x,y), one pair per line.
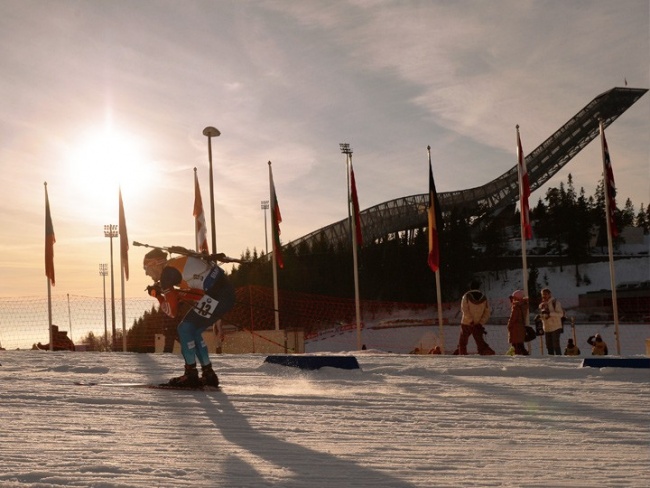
(169,297)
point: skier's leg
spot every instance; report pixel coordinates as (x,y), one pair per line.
(186,336)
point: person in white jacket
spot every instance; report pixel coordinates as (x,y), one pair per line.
(551,313)
(476,312)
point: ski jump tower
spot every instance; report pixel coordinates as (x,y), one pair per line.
(542,163)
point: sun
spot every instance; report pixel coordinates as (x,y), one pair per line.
(106,160)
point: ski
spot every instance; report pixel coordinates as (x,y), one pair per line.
(149,386)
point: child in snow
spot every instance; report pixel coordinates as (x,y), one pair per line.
(599,346)
(517,322)
(571,349)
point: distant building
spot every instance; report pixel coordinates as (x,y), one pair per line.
(633,302)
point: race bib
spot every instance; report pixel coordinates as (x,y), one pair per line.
(205,306)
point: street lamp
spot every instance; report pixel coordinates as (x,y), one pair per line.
(103,272)
(211,132)
(110,231)
(265,207)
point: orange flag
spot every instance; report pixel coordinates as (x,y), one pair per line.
(200,229)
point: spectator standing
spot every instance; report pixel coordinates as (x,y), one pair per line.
(476,312)
(551,313)
(517,322)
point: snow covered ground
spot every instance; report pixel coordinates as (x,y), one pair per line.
(400,421)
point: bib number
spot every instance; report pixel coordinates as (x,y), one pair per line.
(206,306)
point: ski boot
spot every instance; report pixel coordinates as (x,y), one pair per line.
(209,377)
(520,349)
(189,380)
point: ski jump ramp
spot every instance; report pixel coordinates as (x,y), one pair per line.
(542,163)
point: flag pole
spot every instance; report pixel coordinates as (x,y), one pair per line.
(437,275)
(49,263)
(123,312)
(355,262)
(522,216)
(440,324)
(610,212)
(276,240)
(523,209)
(124,262)
(49,313)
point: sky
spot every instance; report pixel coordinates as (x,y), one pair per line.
(104,95)
(400,421)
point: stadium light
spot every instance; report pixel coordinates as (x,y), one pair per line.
(110,231)
(211,132)
(103,272)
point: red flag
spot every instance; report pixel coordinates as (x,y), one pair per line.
(200,229)
(524,191)
(610,188)
(49,241)
(276,219)
(355,207)
(434,214)
(124,240)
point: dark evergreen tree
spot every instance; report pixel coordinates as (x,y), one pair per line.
(627,214)
(642,220)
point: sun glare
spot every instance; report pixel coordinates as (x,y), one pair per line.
(104,161)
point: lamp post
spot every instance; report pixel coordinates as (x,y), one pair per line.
(211,132)
(110,231)
(103,272)
(265,207)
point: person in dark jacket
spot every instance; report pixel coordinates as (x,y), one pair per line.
(571,349)
(517,322)
(599,346)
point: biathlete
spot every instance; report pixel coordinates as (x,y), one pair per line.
(205,286)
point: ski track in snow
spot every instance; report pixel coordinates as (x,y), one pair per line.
(400,421)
